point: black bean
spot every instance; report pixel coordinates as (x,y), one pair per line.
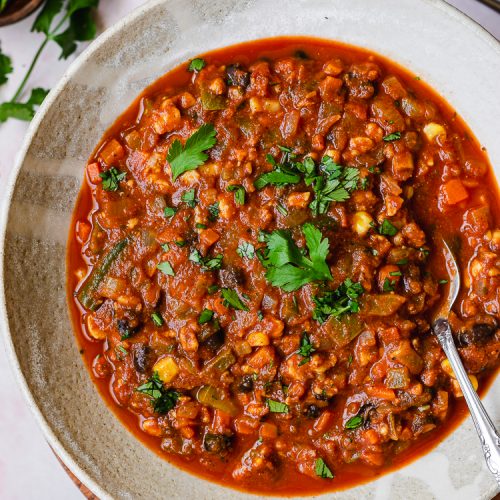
(478,335)
(216,443)
(313,411)
(237,76)
(246,384)
(142,356)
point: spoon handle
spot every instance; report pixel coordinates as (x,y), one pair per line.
(490,439)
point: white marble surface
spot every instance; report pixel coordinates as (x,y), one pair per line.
(28,469)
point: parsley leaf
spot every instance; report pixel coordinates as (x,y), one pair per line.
(44,19)
(285,172)
(287,267)
(163,400)
(232,299)
(196,64)
(166,268)
(306,349)
(169,211)
(354,422)
(111,179)
(213,212)
(157,319)
(277,406)
(392,137)
(388,285)
(5,67)
(205,316)
(387,228)
(23,110)
(246,250)
(192,154)
(189,197)
(239,193)
(207,263)
(322,470)
(340,301)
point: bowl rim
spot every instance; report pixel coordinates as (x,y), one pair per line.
(5,208)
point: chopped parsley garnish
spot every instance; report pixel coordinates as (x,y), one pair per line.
(387,228)
(165,268)
(213,212)
(196,64)
(260,315)
(199,225)
(157,319)
(392,137)
(246,250)
(388,285)
(205,316)
(192,154)
(180,243)
(288,267)
(169,211)
(207,263)
(111,179)
(232,299)
(239,193)
(277,406)
(189,197)
(340,301)
(212,289)
(402,262)
(354,422)
(306,349)
(122,350)
(395,273)
(443,282)
(163,400)
(285,172)
(322,470)
(336,184)
(281,209)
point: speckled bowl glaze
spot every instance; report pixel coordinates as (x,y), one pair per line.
(431,38)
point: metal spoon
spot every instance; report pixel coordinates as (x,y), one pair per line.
(490,439)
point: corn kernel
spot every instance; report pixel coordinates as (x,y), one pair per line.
(272,105)
(474,381)
(433,130)
(167,369)
(361,222)
(190,177)
(446,366)
(255,104)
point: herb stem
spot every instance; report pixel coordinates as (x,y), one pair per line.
(30,70)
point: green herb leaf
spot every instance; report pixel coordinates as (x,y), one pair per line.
(157,319)
(388,285)
(111,179)
(199,225)
(165,268)
(169,211)
(322,469)
(23,110)
(192,154)
(402,262)
(5,67)
(44,19)
(213,212)
(354,422)
(207,263)
(277,406)
(246,250)
(163,400)
(231,299)
(306,349)
(443,282)
(239,193)
(281,209)
(286,265)
(341,301)
(205,316)
(212,289)
(392,137)
(387,228)
(197,64)
(189,197)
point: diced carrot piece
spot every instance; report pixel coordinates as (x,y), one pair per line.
(268,431)
(221,422)
(208,237)
(323,421)
(454,192)
(170,234)
(112,152)
(379,391)
(245,425)
(82,231)
(93,171)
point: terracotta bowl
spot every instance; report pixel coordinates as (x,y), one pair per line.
(17,10)
(434,40)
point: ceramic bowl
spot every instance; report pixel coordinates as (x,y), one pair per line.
(431,38)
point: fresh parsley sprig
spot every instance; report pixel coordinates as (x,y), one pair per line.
(306,349)
(75,24)
(207,263)
(163,400)
(192,154)
(340,301)
(288,267)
